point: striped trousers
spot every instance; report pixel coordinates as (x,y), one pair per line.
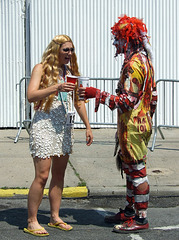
(136,175)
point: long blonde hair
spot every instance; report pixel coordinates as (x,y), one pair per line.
(50,62)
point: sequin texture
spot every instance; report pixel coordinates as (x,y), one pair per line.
(49,135)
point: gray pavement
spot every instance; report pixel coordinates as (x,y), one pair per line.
(93,166)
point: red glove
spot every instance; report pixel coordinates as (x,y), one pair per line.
(90,92)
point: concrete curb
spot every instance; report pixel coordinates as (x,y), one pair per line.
(69,192)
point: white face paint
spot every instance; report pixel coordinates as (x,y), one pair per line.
(116,42)
(119,44)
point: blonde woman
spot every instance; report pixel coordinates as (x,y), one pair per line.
(51,139)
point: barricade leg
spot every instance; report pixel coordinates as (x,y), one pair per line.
(153,143)
(160,131)
(18,134)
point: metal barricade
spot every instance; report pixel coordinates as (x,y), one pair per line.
(158,127)
(24,110)
(23,121)
(95,82)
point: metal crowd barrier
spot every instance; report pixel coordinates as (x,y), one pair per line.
(22,111)
(25,122)
(158,127)
(94,83)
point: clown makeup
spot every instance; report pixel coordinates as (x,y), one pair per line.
(119,44)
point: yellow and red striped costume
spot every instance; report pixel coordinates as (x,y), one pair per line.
(135,101)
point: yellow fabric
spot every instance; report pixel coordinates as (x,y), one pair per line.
(135,126)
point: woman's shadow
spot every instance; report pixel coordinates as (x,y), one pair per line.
(18,217)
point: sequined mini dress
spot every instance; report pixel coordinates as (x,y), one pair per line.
(49,134)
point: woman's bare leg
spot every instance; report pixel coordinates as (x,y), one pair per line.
(56,188)
(42,168)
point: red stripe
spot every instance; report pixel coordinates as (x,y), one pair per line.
(138,173)
(111,102)
(104,95)
(130,199)
(135,173)
(143,205)
(98,93)
(130,185)
(137,192)
(126,170)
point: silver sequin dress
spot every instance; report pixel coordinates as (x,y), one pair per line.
(49,134)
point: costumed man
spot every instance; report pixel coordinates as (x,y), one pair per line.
(135,100)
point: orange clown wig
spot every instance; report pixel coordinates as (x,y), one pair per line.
(130,29)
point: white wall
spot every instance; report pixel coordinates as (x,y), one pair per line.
(12,59)
(88,23)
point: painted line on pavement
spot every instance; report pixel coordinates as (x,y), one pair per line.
(69,192)
(136,237)
(166,228)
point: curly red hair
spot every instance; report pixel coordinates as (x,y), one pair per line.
(131,29)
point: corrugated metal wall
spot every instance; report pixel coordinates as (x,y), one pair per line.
(12,59)
(88,23)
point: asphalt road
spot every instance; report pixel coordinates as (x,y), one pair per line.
(86,216)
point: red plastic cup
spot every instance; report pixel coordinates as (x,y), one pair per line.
(72,79)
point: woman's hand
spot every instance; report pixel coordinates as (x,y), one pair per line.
(89,137)
(66,87)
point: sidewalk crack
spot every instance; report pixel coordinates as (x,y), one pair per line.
(82,182)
